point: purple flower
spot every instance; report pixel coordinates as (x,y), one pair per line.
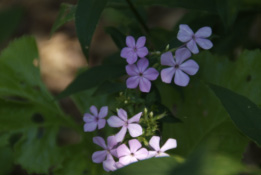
(135,153)
(160,152)
(131,125)
(95,119)
(187,36)
(107,153)
(134,50)
(140,75)
(178,67)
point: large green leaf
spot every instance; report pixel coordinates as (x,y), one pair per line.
(87,15)
(244,113)
(27,108)
(66,14)
(204,118)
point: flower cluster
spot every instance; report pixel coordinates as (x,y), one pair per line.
(179,66)
(115,148)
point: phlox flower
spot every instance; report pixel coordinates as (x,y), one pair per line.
(95,119)
(105,155)
(133,154)
(140,75)
(187,36)
(178,67)
(160,152)
(131,125)
(134,49)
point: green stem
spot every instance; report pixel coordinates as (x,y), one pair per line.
(138,16)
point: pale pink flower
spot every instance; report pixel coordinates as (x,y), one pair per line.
(133,154)
(131,125)
(160,151)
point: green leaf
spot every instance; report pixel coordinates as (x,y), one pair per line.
(244,113)
(37,151)
(93,77)
(66,14)
(109,88)
(87,15)
(9,19)
(6,160)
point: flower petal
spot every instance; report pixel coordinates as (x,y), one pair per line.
(103,112)
(127,160)
(135,130)
(122,114)
(181,55)
(167,59)
(99,141)
(129,54)
(190,67)
(134,145)
(88,127)
(142,52)
(192,46)
(162,155)
(204,43)
(142,64)
(133,82)
(181,78)
(123,150)
(142,154)
(135,118)
(94,110)
(151,74)
(111,141)
(88,117)
(152,154)
(119,165)
(101,123)
(203,32)
(109,165)
(121,134)
(167,74)
(185,33)
(130,41)
(99,156)
(170,144)
(115,122)
(132,70)
(114,153)
(155,143)
(141,42)
(144,85)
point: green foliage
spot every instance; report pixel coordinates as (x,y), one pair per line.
(66,14)
(244,113)
(93,77)
(86,18)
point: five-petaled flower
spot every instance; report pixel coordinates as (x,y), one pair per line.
(140,75)
(178,67)
(134,50)
(95,119)
(187,36)
(131,125)
(105,155)
(132,154)
(160,152)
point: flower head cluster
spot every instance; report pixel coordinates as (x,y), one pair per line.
(115,149)
(140,74)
